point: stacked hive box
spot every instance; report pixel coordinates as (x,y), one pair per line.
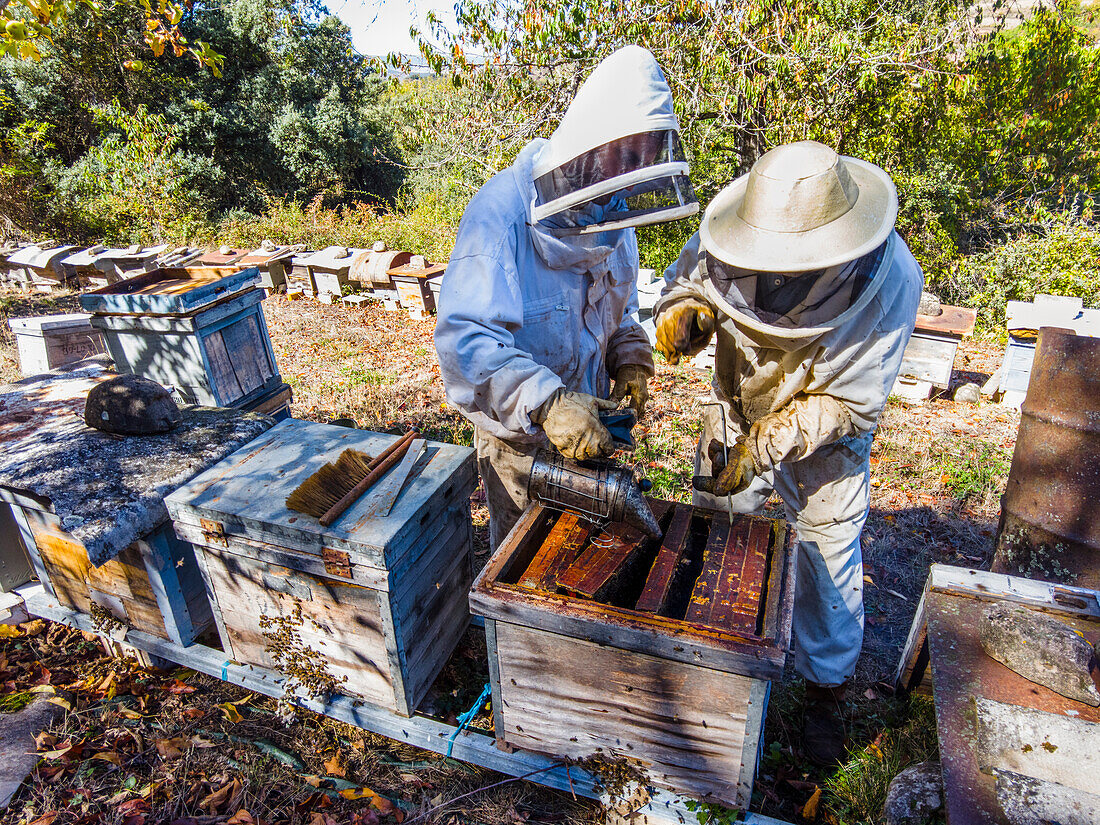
(371,606)
(200,330)
(40,267)
(414,282)
(604,643)
(272,261)
(329,271)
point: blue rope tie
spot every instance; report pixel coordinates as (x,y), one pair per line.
(468,717)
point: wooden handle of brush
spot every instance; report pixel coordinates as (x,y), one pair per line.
(384,461)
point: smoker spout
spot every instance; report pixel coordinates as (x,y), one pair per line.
(636,512)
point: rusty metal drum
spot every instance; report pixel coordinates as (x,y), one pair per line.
(1050,512)
(371,266)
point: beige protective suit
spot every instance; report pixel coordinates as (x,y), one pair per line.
(806,389)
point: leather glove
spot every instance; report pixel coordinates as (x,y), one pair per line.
(571,422)
(684,329)
(727,479)
(631,380)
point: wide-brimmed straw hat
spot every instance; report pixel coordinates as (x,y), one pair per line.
(801,207)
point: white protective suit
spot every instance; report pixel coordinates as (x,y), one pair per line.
(526,309)
(807,390)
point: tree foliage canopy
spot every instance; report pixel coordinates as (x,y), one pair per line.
(295,113)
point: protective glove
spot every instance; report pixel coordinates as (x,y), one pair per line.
(727,479)
(631,380)
(684,329)
(571,422)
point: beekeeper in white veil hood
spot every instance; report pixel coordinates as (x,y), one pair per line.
(813,296)
(536,309)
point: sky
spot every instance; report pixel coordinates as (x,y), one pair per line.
(379,27)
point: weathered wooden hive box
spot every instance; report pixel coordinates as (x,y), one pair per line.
(198,329)
(372,606)
(52,341)
(604,643)
(414,284)
(273,262)
(329,270)
(89,506)
(298,276)
(929,356)
(39,267)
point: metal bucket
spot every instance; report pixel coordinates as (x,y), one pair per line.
(1050,512)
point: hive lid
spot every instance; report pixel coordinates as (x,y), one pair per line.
(75,320)
(410,271)
(246,493)
(170,290)
(38,257)
(332,257)
(84,257)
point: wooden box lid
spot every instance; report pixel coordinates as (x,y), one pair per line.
(170,290)
(246,493)
(50,323)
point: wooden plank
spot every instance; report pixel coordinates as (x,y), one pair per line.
(240,339)
(753,745)
(573,698)
(737,601)
(227,388)
(494,682)
(264,363)
(595,568)
(557,551)
(631,630)
(718,540)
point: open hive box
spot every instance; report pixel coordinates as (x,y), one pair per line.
(605,643)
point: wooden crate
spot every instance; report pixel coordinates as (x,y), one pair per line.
(414,285)
(667,664)
(381,601)
(153,585)
(52,341)
(219,355)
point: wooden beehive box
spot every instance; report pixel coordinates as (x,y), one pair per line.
(40,268)
(152,585)
(371,266)
(273,262)
(329,269)
(52,341)
(379,602)
(198,329)
(298,276)
(929,356)
(660,653)
(414,284)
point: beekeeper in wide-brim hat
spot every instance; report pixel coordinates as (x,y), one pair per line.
(812,296)
(536,314)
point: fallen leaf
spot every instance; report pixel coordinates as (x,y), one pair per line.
(242,817)
(334,767)
(109,756)
(178,687)
(193,713)
(62,701)
(229,710)
(225,796)
(45,741)
(382,804)
(47,818)
(809,810)
(170,749)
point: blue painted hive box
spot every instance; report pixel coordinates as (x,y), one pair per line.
(198,329)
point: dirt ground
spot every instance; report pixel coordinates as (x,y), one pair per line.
(142,746)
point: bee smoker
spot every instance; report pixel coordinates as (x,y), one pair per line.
(601,492)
